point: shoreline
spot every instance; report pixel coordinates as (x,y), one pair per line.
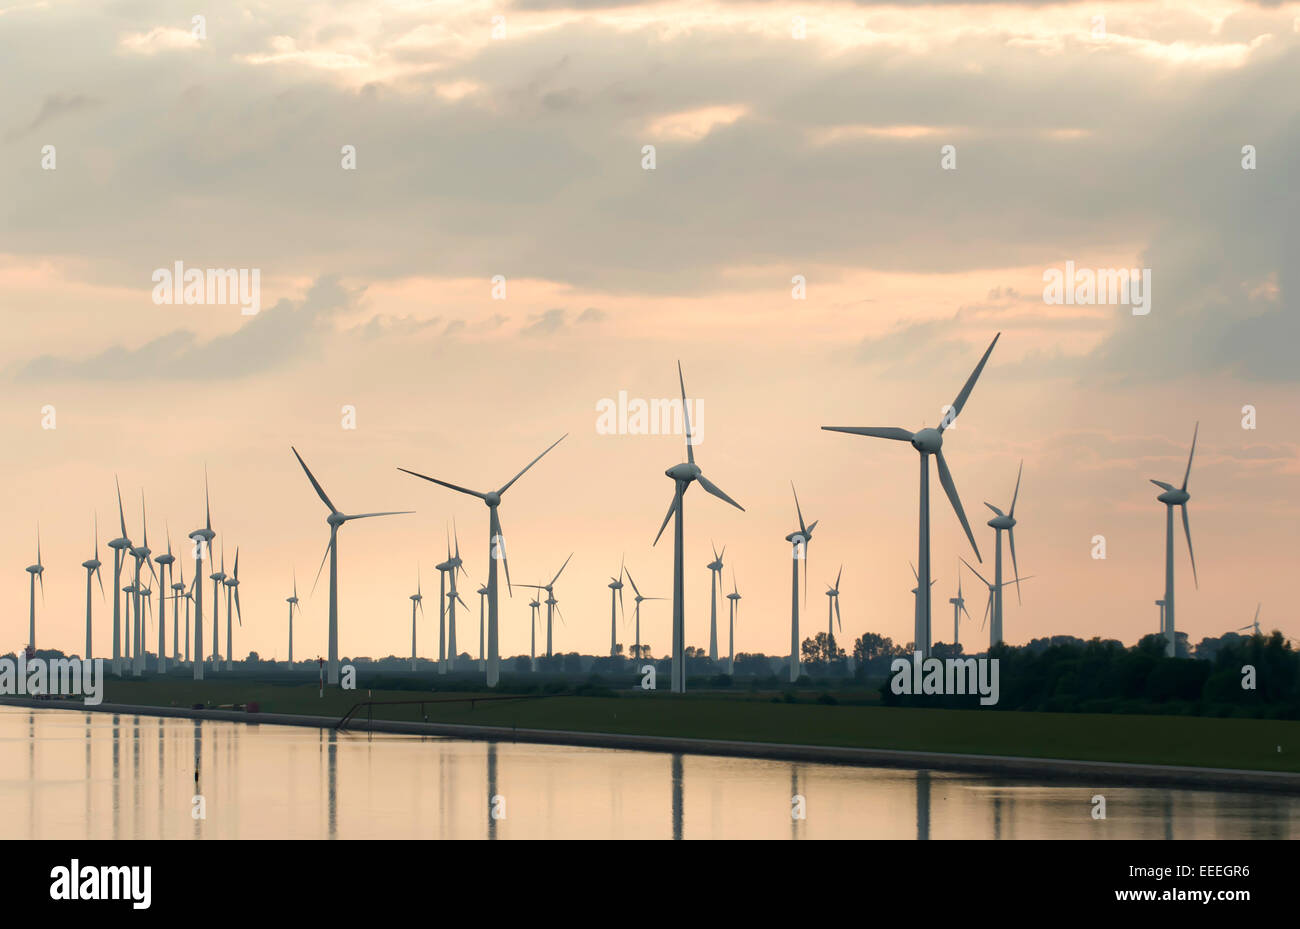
(1126,773)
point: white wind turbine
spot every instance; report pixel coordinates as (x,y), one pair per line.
(442,568)
(92,567)
(335,520)
(734,598)
(293,604)
(798,540)
(550,602)
(993,589)
(833,604)
(417,602)
(1004,522)
(455,566)
(1255,624)
(165,562)
(683,476)
(615,586)
(36,571)
(916,592)
(179,593)
(482,601)
(202,541)
(141,555)
(496,551)
(715,576)
(120,546)
(533,606)
(637,599)
(218,579)
(929,442)
(1172,497)
(232,587)
(958,607)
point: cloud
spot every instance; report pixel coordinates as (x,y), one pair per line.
(52,107)
(545,323)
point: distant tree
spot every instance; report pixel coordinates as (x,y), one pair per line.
(872,646)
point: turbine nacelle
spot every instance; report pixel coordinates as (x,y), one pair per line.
(35,569)
(165,559)
(686,471)
(198,535)
(1172,496)
(1002,520)
(90,565)
(492,497)
(927,440)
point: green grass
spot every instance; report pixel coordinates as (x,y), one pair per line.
(1171,740)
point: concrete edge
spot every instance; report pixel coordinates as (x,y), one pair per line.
(1100,771)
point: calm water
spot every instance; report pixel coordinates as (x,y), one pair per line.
(72,774)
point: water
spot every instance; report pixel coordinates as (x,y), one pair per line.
(70,774)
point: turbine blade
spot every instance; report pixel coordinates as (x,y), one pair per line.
(1011,537)
(876,432)
(839,622)
(714,489)
(497,533)
(239,614)
(1188,472)
(672,508)
(987,606)
(976,573)
(100,578)
(1187,529)
(1161,484)
(993,508)
(456,487)
(385,513)
(320,491)
(121,514)
(837,579)
(561,571)
(945,478)
(1016,494)
(633,583)
(531,463)
(686,417)
(970,385)
(916,576)
(802,528)
(318,570)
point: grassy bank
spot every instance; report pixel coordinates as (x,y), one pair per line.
(1249,744)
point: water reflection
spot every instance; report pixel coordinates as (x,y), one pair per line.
(66,774)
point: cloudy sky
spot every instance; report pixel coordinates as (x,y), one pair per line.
(1109,135)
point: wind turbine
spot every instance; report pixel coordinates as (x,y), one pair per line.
(92,567)
(232,586)
(179,593)
(482,598)
(683,476)
(550,600)
(798,540)
(454,566)
(615,586)
(442,568)
(335,520)
(164,561)
(293,604)
(120,546)
(1172,497)
(1004,522)
(715,575)
(36,571)
(988,606)
(958,607)
(930,442)
(1253,625)
(417,602)
(734,597)
(496,550)
(916,591)
(636,612)
(202,540)
(533,607)
(833,603)
(218,578)
(141,555)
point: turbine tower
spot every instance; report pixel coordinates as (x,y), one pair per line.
(550,601)
(335,520)
(1172,497)
(417,602)
(1004,522)
(232,587)
(715,575)
(833,603)
(442,568)
(454,566)
(615,586)
(202,541)
(178,592)
(683,476)
(217,578)
(533,606)
(482,600)
(929,442)
(958,607)
(734,597)
(141,555)
(293,604)
(92,567)
(916,591)
(36,571)
(636,613)
(164,561)
(496,551)
(798,540)
(120,546)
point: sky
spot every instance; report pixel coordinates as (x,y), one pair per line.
(1107,135)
